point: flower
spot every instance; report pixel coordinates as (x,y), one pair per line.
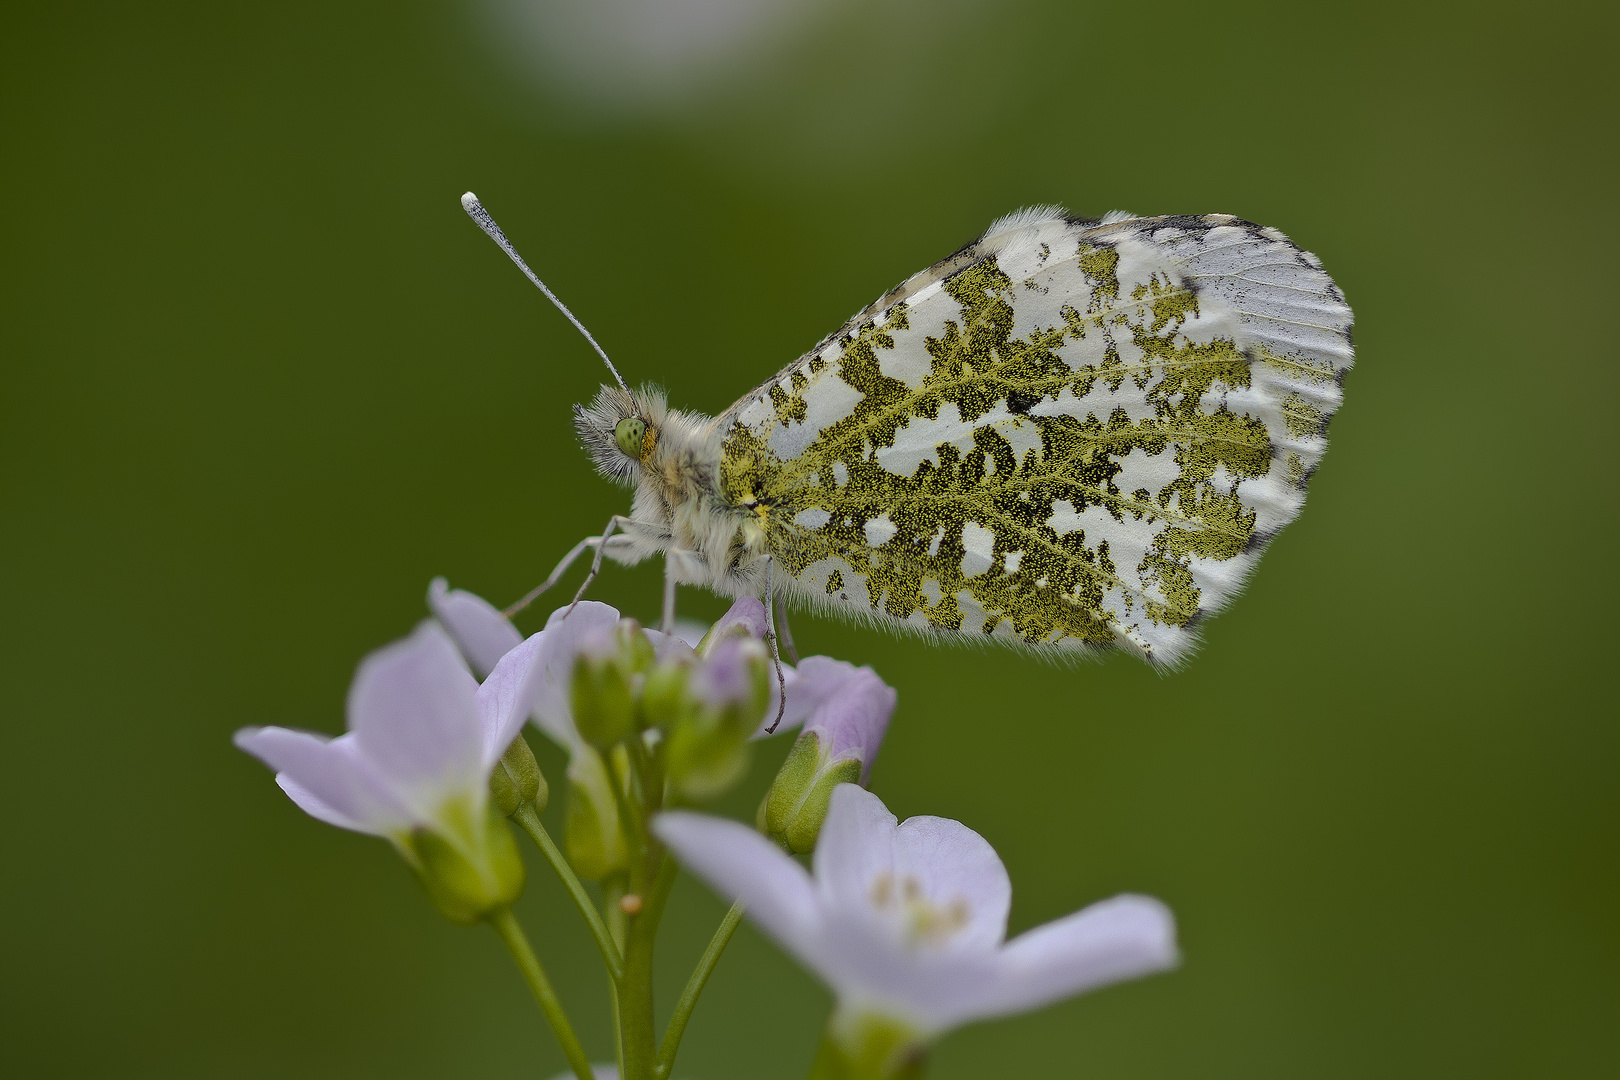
(415,763)
(848,712)
(483,635)
(906,922)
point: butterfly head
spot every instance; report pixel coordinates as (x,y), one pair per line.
(621,429)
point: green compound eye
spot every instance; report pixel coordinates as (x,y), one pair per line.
(629,434)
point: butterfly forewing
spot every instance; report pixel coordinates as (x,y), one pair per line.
(1071,434)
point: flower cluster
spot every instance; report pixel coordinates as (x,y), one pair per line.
(905,922)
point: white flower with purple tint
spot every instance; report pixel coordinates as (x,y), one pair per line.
(907,922)
(414,765)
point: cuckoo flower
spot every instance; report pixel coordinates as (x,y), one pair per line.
(414,765)
(906,922)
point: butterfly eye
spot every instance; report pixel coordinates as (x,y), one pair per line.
(629,434)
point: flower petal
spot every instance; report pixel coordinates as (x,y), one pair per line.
(848,707)
(953,865)
(671,647)
(740,864)
(480,631)
(1122,938)
(564,634)
(333,773)
(309,804)
(747,616)
(505,698)
(413,708)
(856,846)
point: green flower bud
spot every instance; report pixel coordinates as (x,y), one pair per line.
(727,698)
(592,838)
(664,700)
(469,877)
(604,710)
(605,690)
(516,779)
(796,805)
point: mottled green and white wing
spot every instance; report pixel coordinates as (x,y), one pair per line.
(1070,434)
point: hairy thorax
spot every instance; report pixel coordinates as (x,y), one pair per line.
(680,508)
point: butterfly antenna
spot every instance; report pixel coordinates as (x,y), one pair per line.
(476,211)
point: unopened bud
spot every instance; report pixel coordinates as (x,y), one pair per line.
(745,619)
(603,709)
(729,692)
(516,780)
(796,805)
(849,715)
(663,695)
(607,682)
(470,878)
(592,838)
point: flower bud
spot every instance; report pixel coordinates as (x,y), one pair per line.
(664,700)
(727,696)
(606,683)
(516,780)
(592,837)
(796,805)
(841,736)
(469,878)
(746,618)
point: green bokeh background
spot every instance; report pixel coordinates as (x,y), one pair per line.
(260,380)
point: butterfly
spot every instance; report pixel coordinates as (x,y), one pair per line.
(1071,435)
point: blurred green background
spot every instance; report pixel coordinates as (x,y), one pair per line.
(262,380)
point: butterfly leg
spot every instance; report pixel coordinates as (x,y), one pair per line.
(666,622)
(776,654)
(781,617)
(617,543)
(615,523)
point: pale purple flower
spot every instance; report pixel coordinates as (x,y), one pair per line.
(423,736)
(906,922)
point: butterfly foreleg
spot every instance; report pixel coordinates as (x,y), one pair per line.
(613,545)
(636,532)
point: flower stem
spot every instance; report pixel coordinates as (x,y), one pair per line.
(873,1049)
(506,925)
(635,988)
(694,987)
(530,820)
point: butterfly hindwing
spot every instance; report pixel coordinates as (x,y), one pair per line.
(1071,434)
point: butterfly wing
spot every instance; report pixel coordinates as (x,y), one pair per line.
(1070,434)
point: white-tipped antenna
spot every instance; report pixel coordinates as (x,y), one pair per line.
(475,210)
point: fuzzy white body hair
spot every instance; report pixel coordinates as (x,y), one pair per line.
(678,506)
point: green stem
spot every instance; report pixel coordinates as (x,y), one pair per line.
(530,820)
(613,887)
(517,943)
(694,987)
(873,1049)
(647,778)
(631,827)
(635,989)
